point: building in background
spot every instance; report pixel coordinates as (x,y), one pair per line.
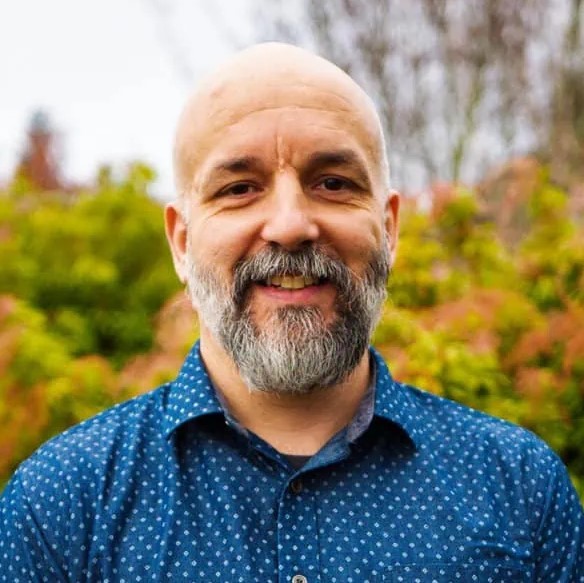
(39,163)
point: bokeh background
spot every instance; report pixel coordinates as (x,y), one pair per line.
(483,104)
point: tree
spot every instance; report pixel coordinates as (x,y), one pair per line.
(96,264)
(460,85)
(39,163)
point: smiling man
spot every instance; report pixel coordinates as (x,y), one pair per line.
(284,233)
(284,450)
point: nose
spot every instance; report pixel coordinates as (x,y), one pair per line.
(291,222)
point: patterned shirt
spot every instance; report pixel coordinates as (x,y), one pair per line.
(166,487)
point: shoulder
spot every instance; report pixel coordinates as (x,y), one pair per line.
(87,449)
(454,421)
(436,423)
(54,500)
(498,469)
(491,446)
(78,466)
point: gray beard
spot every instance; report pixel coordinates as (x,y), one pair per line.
(295,351)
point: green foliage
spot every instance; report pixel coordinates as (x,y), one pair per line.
(96,264)
(496,327)
(500,329)
(43,387)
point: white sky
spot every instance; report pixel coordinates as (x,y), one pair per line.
(108,75)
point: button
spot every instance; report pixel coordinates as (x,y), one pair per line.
(299,579)
(296,487)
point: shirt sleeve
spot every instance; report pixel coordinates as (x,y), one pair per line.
(559,541)
(26,556)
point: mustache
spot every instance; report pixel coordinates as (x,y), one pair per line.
(275,261)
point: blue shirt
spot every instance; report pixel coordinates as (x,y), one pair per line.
(166,488)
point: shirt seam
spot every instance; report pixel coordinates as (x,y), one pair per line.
(545,505)
(39,531)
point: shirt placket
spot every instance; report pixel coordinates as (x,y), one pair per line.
(298,548)
(298,545)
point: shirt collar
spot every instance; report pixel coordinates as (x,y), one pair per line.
(191,396)
(394,403)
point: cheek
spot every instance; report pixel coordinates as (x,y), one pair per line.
(220,242)
(357,238)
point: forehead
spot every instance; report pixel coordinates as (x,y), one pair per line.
(229,102)
(263,115)
(271,140)
(286,133)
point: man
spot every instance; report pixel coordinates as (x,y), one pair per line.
(284,451)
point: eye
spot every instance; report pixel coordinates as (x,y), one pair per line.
(238,189)
(334,184)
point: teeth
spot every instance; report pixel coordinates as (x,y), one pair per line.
(291,281)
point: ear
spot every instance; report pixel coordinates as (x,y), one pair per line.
(392,221)
(176,234)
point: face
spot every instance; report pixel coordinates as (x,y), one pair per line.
(289,238)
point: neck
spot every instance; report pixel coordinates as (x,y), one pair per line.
(292,424)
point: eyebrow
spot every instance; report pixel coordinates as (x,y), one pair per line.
(315,162)
(237,164)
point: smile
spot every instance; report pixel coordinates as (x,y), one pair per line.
(292,281)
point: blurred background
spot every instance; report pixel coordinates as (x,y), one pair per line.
(483,106)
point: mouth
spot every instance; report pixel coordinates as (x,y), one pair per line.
(291,289)
(292,282)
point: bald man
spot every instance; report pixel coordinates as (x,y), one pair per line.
(284,450)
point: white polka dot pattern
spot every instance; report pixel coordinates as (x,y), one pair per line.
(163,488)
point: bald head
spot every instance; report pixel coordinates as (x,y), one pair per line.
(263,77)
